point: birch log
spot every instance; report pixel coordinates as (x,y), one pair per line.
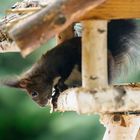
(94,54)
(122,99)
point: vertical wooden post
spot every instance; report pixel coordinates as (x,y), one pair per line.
(65,35)
(94,54)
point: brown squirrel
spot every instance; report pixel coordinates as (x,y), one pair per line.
(61,66)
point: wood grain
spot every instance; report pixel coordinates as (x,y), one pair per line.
(29,34)
(94,54)
(115,9)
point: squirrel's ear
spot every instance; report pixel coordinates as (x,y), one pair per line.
(17,83)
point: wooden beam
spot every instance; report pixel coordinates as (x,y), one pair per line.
(38,28)
(115,9)
(35,25)
(46,23)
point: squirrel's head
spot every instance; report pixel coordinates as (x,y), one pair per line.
(37,88)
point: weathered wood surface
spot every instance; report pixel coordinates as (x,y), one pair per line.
(65,35)
(18,12)
(94,54)
(121,127)
(138,135)
(115,9)
(38,28)
(60,14)
(6,46)
(123,99)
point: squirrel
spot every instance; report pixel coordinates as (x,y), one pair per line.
(60,67)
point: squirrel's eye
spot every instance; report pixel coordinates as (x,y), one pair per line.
(34,94)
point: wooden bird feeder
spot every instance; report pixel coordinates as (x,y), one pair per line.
(36,27)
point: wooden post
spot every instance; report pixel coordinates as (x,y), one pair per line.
(94,54)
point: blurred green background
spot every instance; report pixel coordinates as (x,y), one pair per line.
(21,118)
